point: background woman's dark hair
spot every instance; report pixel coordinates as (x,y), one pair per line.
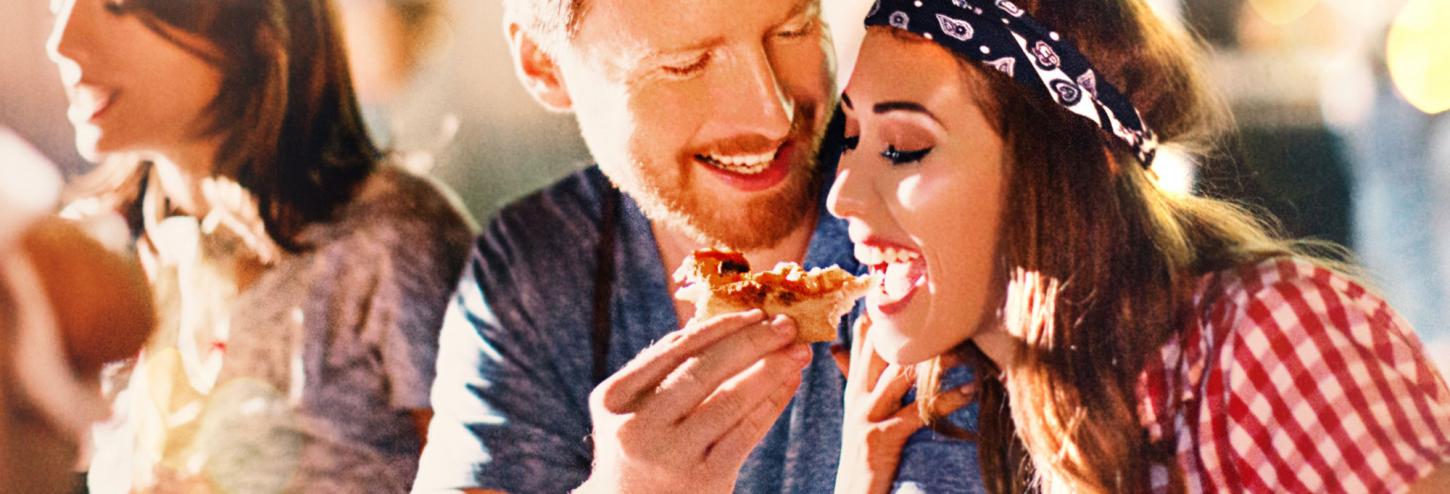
(291,132)
(1080,210)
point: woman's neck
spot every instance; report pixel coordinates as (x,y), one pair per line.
(997,344)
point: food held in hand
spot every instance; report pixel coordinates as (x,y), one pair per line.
(719,281)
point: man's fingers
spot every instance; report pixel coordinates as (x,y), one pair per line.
(744,393)
(645,371)
(700,375)
(737,442)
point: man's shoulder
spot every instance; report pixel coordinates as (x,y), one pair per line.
(541,247)
(566,211)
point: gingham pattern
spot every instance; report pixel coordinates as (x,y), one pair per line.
(1296,379)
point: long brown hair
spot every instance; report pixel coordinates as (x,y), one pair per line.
(1115,258)
(291,132)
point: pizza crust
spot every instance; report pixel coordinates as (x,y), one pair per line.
(719,281)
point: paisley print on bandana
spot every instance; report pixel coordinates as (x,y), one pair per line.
(900,20)
(955,28)
(999,34)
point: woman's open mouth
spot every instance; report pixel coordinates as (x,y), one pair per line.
(901,269)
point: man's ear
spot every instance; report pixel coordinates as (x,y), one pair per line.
(537,69)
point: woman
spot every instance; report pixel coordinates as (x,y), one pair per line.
(299,281)
(998,176)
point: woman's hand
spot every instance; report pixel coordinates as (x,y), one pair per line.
(876,425)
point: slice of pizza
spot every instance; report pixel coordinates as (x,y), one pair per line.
(719,281)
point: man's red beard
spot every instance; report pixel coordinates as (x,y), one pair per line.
(763,220)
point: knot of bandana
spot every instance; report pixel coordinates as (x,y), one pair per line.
(1001,35)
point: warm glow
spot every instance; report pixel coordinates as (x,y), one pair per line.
(1175,172)
(1418,54)
(1282,11)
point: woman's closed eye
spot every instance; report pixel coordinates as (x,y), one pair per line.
(895,156)
(903,157)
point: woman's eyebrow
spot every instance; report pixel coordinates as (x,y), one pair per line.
(907,106)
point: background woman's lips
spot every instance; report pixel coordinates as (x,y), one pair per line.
(89,104)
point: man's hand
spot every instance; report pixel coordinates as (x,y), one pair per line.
(688,410)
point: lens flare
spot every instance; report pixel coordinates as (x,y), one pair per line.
(1418,54)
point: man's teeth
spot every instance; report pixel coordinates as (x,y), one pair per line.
(876,256)
(745,164)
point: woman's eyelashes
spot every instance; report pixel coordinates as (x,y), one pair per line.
(895,156)
(899,157)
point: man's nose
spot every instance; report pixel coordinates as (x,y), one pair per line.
(752,101)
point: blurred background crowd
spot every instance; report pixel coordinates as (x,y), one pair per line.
(1339,105)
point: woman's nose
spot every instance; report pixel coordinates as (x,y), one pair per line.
(68,45)
(850,193)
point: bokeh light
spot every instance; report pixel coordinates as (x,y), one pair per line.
(1282,11)
(1418,54)
(1174,171)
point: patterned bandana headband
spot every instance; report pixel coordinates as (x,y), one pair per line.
(1004,37)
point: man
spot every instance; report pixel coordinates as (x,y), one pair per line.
(708,117)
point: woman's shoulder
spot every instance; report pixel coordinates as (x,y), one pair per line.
(1307,361)
(1286,309)
(1282,291)
(392,202)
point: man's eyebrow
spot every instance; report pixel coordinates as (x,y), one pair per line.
(800,9)
(655,55)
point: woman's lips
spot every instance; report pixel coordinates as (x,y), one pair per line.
(90,104)
(899,284)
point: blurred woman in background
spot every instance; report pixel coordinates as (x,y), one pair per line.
(299,279)
(998,176)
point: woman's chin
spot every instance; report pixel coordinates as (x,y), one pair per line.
(895,348)
(88,144)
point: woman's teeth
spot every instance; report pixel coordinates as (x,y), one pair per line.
(876,256)
(903,269)
(898,281)
(742,164)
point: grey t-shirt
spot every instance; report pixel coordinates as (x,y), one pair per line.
(329,352)
(515,359)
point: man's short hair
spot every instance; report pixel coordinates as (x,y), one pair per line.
(552,22)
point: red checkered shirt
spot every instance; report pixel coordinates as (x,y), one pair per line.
(1294,378)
